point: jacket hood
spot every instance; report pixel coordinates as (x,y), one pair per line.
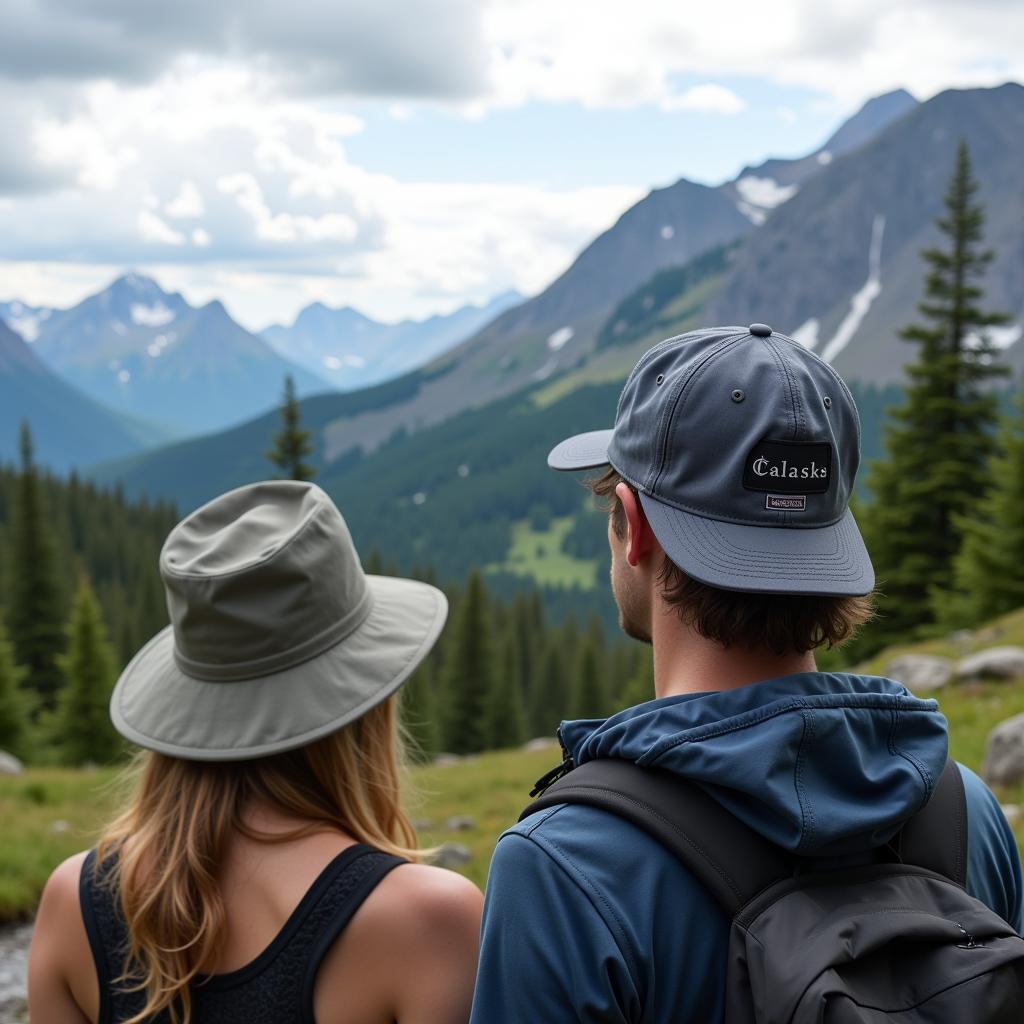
(821,763)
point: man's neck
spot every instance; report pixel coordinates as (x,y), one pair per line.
(686,662)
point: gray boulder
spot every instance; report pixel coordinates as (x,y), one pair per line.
(1004,753)
(9,764)
(460,823)
(994,663)
(540,743)
(921,672)
(452,855)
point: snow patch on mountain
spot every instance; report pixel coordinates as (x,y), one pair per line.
(766,193)
(807,334)
(336,363)
(1000,338)
(560,338)
(752,213)
(25,320)
(861,302)
(155,315)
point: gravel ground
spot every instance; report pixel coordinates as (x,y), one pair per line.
(13,973)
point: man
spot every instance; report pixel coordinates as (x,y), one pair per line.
(734,553)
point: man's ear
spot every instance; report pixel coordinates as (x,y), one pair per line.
(640,539)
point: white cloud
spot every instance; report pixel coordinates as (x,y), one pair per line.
(188,204)
(707,99)
(201,238)
(153,229)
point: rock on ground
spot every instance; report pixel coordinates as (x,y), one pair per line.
(1004,753)
(994,663)
(460,823)
(452,855)
(14,972)
(921,672)
(9,764)
(540,743)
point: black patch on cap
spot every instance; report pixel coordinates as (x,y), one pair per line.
(789,467)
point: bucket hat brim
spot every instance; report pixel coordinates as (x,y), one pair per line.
(158,706)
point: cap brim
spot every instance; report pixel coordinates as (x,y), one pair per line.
(583,451)
(157,706)
(829,561)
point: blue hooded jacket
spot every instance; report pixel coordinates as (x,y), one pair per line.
(589,919)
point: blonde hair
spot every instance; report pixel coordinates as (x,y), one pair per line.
(174,833)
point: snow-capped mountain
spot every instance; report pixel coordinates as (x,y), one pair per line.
(147,352)
(23,319)
(351,351)
(839,265)
(68,428)
(757,190)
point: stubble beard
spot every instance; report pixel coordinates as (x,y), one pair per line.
(631,605)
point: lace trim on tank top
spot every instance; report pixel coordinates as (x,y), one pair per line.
(276,986)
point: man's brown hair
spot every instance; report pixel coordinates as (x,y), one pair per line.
(782,623)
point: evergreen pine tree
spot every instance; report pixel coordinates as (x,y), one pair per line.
(83,721)
(13,702)
(292,444)
(590,688)
(640,688)
(988,571)
(35,615)
(504,717)
(549,693)
(939,439)
(419,711)
(468,671)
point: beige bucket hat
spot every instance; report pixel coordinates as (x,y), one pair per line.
(277,636)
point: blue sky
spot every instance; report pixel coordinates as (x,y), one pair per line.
(564,145)
(407,157)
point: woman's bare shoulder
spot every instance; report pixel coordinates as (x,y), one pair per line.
(60,895)
(428,920)
(61,976)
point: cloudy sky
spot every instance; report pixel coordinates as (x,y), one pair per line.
(406,156)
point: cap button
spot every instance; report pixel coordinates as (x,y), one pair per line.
(760,330)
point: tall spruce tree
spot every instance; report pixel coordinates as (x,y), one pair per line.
(468,671)
(292,444)
(590,688)
(940,438)
(988,571)
(419,711)
(13,702)
(36,612)
(83,720)
(504,716)
(549,692)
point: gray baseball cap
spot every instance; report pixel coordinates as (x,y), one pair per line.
(277,636)
(743,447)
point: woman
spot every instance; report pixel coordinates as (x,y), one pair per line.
(263,869)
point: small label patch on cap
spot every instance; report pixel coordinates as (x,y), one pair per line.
(789,467)
(787,502)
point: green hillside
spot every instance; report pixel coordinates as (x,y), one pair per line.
(53,813)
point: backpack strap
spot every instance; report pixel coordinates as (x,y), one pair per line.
(936,837)
(732,861)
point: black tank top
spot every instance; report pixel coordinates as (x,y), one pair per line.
(274,988)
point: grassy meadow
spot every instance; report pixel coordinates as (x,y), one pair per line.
(48,813)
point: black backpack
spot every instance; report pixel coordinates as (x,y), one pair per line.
(898,940)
